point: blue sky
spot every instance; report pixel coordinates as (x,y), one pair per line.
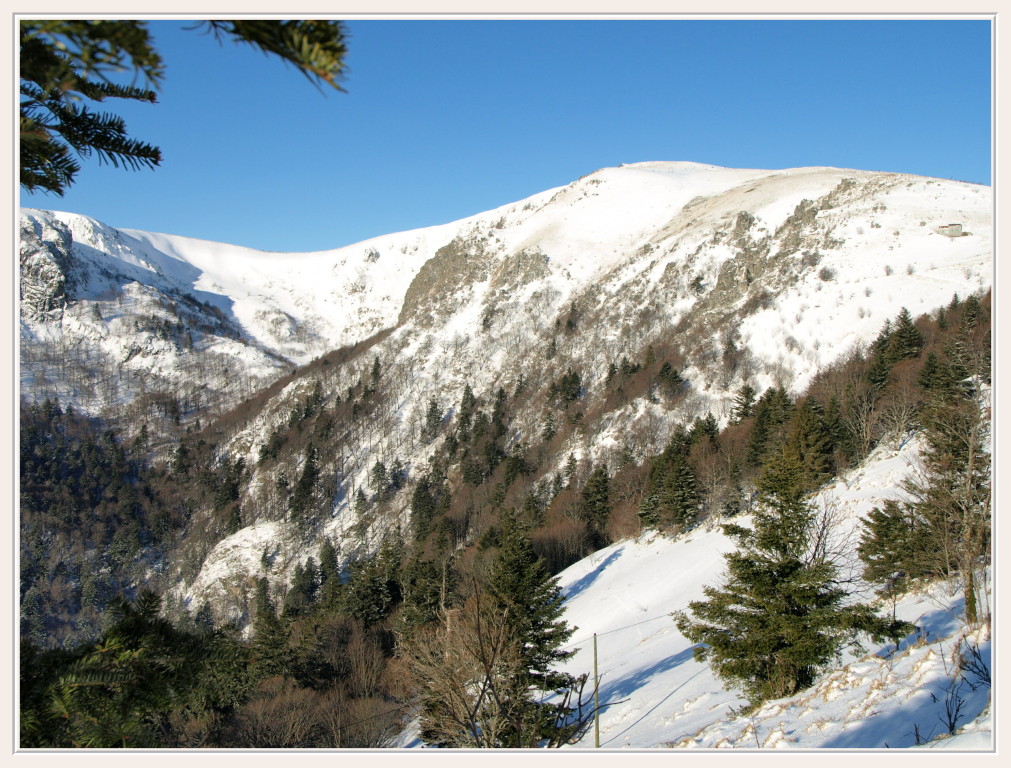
(444,119)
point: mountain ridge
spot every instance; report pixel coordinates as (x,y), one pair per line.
(746,271)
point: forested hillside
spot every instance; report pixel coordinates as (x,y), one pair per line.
(450,614)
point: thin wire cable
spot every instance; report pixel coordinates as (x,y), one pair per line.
(616,629)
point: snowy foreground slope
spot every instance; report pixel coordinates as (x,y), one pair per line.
(654,695)
(658,696)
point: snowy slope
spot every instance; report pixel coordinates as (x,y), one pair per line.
(656,695)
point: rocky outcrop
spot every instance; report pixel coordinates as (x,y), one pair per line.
(45,269)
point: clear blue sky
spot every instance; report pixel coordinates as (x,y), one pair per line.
(444,119)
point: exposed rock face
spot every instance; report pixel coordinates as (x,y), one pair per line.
(45,269)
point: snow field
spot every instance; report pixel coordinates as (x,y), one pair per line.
(656,695)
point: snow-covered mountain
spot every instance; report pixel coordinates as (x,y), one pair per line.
(790,267)
(733,276)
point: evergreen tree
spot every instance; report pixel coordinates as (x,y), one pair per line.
(570,468)
(743,404)
(934,375)
(499,416)
(329,576)
(894,343)
(678,495)
(838,433)
(893,543)
(670,380)
(811,439)
(480,426)
(398,476)
(906,340)
(612,371)
(329,565)
(65,65)
(303,591)
(672,497)
(433,420)
(234,519)
(302,499)
(422,508)
(428,588)
(953,494)
(520,583)
(468,404)
(270,636)
(380,481)
(123,690)
(704,428)
(596,505)
(770,412)
(567,389)
(361,501)
(373,589)
(550,427)
(781,615)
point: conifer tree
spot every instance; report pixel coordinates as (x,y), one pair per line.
(893,545)
(303,591)
(303,497)
(894,343)
(550,428)
(468,404)
(780,616)
(678,494)
(596,504)
(672,496)
(810,437)
(743,404)
(270,636)
(433,419)
(498,415)
(67,65)
(953,494)
(906,340)
(422,508)
(428,588)
(380,481)
(123,689)
(373,589)
(770,412)
(670,379)
(520,583)
(329,576)
(933,374)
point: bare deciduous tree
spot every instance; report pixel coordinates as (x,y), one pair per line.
(466,673)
